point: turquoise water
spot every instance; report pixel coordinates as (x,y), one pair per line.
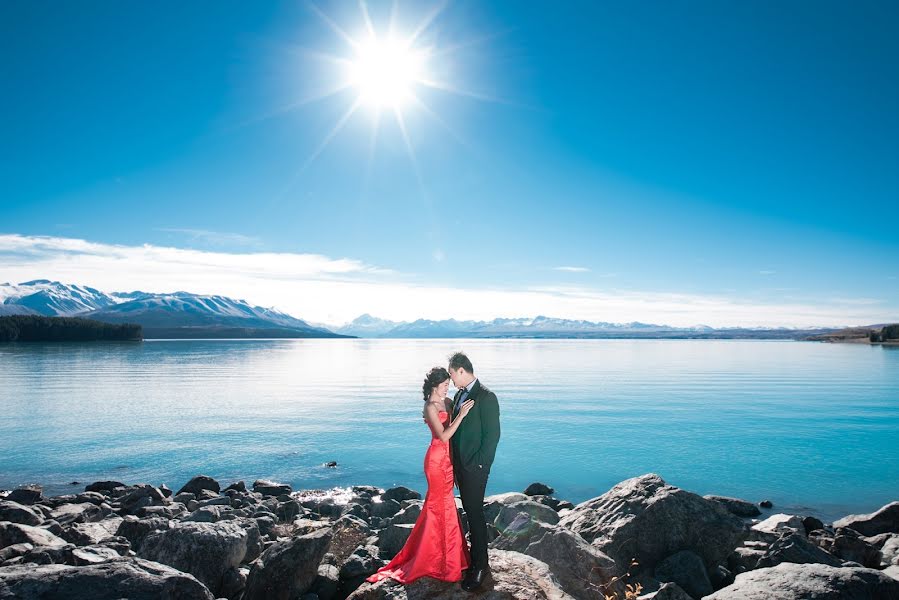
(810,426)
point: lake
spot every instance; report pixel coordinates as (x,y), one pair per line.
(813,427)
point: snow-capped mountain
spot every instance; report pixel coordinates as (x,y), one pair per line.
(546,327)
(366,326)
(52,298)
(177,314)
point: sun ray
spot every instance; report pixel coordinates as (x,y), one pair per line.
(402,123)
(426,22)
(334,131)
(334,26)
(367,18)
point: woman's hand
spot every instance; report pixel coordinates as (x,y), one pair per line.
(466,406)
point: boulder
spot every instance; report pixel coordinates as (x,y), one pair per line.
(409,515)
(392,538)
(646,519)
(140,496)
(131,578)
(514,577)
(20,513)
(103,486)
(15,533)
(205,550)
(270,488)
(889,551)
(884,520)
(14,550)
(287,569)
(400,493)
(735,506)
(385,509)
(534,510)
(84,512)
(687,570)
(348,532)
(85,534)
(795,548)
(208,514)
(789,581)
(538,489)
(361,563)
(200,482)
(667,591)
(849,545)
(774,526)
(27,494)
(135,529)
(582,570)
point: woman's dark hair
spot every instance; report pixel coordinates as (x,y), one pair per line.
(435,377)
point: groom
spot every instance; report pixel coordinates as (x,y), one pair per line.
(473,448)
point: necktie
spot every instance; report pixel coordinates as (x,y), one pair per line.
(460,401)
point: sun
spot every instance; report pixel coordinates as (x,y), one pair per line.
(386,73)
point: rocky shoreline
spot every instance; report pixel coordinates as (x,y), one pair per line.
(641,539)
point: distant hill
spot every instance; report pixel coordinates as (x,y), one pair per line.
(548,327)
(883,333)
(173,315)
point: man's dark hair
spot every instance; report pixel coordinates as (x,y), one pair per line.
(460,360)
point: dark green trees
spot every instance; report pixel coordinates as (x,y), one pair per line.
(31,328)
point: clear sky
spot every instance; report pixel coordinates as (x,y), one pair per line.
(671,162)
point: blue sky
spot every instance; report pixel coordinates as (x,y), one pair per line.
(729,163)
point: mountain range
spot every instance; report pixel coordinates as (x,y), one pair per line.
(548,327)
(168,315)
(186,315)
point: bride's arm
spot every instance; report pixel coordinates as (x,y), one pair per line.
(432,416)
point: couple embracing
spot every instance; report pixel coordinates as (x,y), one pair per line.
(464,436)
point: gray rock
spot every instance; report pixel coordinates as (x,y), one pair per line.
(646,519)
(788,581)
(392,538)
(20,513)
(348,532)
(538,489)
(400,493)
(91,555)
(288,511)
(208,514)
(27,494)
(205,550)
(386,509)
(270,488)
(735,506)
(687,570)
(131,578)
(84,512)
(890,551)
(16,533)
(135,529)
(409,515)
(199,483)
(811,524)
(582,570)
(103,486)
(326,582)
(514,576)
(15,550)
(140,496)
(217,501)
(534,510)
(774,526)
(85,534)
(884,520)
(237,486)
(287,569)
(794,547)
(668,591)
(849,545)
(361,563)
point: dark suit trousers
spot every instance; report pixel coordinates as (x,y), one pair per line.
(472,485)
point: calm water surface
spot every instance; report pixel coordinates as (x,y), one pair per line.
(811,426)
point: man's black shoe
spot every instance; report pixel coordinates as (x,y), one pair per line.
(474,578)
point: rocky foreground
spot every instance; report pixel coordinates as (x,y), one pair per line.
(143,542)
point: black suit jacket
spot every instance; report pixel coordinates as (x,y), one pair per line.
(474,443)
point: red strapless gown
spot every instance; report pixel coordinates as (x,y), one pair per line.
(436,547)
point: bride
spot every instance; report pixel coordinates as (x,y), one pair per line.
(436,546)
